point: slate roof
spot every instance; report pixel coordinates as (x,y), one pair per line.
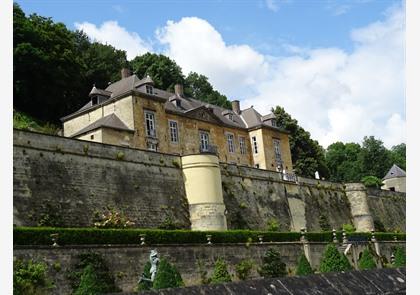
(110,121)
(247,118)
(394,172)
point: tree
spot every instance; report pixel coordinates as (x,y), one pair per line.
(303,268)
(163,70)
(399,257)
(199,87)
(220,273)
(273,266)
(333,261)
(372,181)
(54,68)
(398,155)
(375,159)
(307,155)
(89,283)
(167,276)
(367,261)
(342,162)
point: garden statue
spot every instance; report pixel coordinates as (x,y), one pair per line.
(154,262)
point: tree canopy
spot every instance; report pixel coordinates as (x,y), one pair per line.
(307,154)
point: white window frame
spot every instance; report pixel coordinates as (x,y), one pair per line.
(277,148)
(152,146)
(273,123)
(149,89)
(254,144)
(204,140)
(242,145)
(173,131)
(230,142)
(149,116)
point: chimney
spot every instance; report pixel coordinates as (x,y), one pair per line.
(125,73)
(179,90)
(236,106)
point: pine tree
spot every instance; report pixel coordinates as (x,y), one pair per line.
(399,257)
(272,266)
(89,283)
(167,276)
(333,261)
(220,273)
(303,268)
(367,261)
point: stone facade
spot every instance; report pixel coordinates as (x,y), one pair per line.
(132,107)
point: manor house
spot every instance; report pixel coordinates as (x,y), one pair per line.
(132,112)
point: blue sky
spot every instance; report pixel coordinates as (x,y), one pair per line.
(338,67)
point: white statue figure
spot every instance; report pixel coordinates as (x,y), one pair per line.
(154,262)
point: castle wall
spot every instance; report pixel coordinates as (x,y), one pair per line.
(126,262)
(75,180)
(72,181)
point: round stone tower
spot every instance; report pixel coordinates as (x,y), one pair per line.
(203,186)
(357,196)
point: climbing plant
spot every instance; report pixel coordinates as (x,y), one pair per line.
(367,261)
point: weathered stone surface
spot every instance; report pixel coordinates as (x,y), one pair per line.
(361,282)
(126,262)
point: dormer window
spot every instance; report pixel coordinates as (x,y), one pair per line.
(230,116)
(95,100)
(149,89)
(273,123)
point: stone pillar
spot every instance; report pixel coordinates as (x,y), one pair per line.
(357,196)
(203,187)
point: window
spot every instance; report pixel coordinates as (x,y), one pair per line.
(273,123)
(257,165)
(277,153)
(230,116)
(204,141)
(173,131)
(92,136)
(149,89)
(152,146)
(242,145)
(255,144)
(150,123)
(231,145)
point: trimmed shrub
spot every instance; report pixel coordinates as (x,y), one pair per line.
(89,283)
(88,236)
(243,269)
(167,276)
(97,274)
(30,278)
(272,266)
(303,268)
(220,273)
(333,261)
(145,285)
(399,257)
(367,261)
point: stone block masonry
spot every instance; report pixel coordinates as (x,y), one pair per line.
(70,181)
(126,262)
(73,180)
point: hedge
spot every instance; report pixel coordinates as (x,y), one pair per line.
(89,236)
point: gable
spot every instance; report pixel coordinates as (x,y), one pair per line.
(205,114)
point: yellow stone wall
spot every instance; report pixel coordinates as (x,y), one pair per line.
(131,110)
(97,136)
(268,141)
(123,108)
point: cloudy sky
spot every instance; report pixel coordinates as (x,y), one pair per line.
(335,66)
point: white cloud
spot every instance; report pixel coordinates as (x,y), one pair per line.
(272,5)
(344,96)
(197,46)
(111,33)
